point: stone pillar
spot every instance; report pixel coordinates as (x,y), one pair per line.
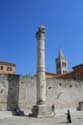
(41,80)
(41,109)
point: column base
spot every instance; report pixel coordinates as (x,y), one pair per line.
(41,111)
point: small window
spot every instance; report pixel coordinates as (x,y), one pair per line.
(1,67)
(63,64)
(22,82)
(70,86)
(49,87)
(1,90)
(58,65)
(60,84)
(77,76)
(9,68)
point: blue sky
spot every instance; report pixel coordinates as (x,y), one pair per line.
(19,20)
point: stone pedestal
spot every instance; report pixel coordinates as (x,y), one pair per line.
(41,111)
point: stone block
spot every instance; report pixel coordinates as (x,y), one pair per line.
(41,111)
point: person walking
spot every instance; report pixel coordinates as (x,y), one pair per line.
(68,117)
(53,109)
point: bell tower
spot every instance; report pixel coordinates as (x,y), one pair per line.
(61,63)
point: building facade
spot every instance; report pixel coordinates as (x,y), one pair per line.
(62,70)
(76,74)
(7,68)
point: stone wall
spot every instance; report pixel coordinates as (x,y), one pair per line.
(21,90)
(64,93)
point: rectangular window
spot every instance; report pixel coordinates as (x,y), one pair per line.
(1,67)
(58,65)
(9,68)
(78,77)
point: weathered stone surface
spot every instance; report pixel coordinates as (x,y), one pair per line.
(80,106)
(21,90)
(41,109)
(41,80)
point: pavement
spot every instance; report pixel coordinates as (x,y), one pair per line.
(58,119)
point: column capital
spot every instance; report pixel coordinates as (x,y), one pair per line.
(40,34)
